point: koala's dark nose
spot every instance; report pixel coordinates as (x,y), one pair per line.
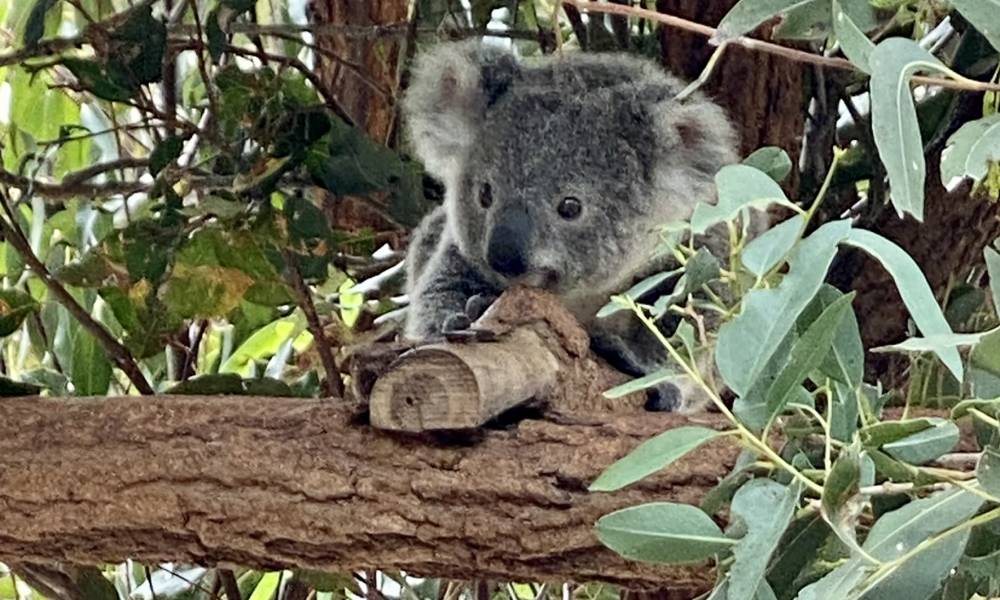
(507,247)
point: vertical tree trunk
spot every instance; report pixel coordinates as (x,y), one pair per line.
(361,60)
(765,95)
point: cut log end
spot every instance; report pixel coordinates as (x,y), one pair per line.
(462,386)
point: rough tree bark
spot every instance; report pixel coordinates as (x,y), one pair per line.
(280,482)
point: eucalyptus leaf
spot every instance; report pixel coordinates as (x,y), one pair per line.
(651,456)
(913,288)
(894,119)
(662,532)
(853,40)
(641,383)
(771,160)
(739,187)
(637,291)
(924,446)
(984,367)
(988,471)
(983,14)
(764,509)
(747,343)
(989,407)
(992,258)
(745,15)
(767,250)
(886,432)
(971,150)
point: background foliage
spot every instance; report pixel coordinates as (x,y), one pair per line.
(171,180)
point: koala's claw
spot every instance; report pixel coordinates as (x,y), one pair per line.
(477,304)
(456,322)
(665,397)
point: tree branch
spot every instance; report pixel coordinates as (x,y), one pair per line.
(768,47)
(332,385)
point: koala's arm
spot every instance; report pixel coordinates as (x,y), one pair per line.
(439,281)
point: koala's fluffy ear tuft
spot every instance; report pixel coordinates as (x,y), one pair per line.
(450,88)
(700,130)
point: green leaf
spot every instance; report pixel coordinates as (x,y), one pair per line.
(894,119)
(34,27)
(896,533)
(662,532)
(989,407)
(165,153)
(799,547)
(739,187)
(93,585)
(993,269)
(913,288)
(971,150)
(204,291)
(700,269)
(748,14)
(845,361)
(10,388)
(766,251)
(807,354)
(983,16)
(267,587)
(984,367)
(651,456)
(217,38)
(840,487)
(853,40)
(771,160)
(91,371)
(764,509)
(886,432)
(899,531)
(263,343)
(923,447)
(94,78)
(15,306)
(988,471)
(747,343)
(637,291)
(641,383)
(936,343)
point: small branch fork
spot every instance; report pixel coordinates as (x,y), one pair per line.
(801,56)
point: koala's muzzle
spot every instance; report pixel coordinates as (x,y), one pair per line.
(509,242)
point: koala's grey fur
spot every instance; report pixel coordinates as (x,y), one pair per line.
(604,129)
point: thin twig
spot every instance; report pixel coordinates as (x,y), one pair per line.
(88,173)
(333,386)
(768,47)
(117,352)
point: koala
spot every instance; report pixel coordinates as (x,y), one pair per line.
(557,174)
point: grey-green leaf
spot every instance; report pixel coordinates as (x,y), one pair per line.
(993,268)
(739,187)
(894,119)
(637,291)
(913,288)
(853,40)
(983,14)
(807,354)
(662,532)
(766,251)
(925,446)
(748,342)
(748,14)
(764,508)
(641,383)
(971,150)
(772,160)
(988,470)
(651,456)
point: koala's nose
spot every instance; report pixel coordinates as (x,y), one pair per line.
(507,247)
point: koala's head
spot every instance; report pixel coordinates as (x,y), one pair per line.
(559,172)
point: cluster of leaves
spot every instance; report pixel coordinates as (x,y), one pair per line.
(846,502)
(186,231)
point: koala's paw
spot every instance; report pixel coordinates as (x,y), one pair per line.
(664,397)
(458,327)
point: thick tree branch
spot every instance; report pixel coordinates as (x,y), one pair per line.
(282,482)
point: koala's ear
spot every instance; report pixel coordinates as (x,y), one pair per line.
(451,87)
(698,130)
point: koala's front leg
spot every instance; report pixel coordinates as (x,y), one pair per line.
(442,297)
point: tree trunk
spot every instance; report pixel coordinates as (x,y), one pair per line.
(282,482)
(361,62)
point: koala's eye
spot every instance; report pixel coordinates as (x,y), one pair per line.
(569,208)
(486,195)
